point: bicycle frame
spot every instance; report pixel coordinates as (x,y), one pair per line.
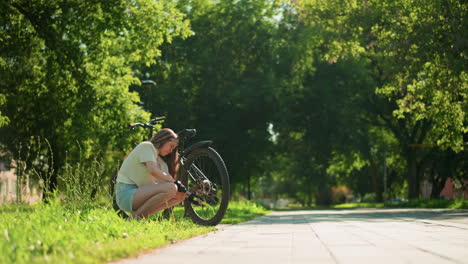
(185,152)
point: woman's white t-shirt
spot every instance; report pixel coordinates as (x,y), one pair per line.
(133,169)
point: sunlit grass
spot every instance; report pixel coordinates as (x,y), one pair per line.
(94,234)
(335,206)
(358,205)
(241,211)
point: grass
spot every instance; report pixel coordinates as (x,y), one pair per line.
(94,234)
(242,211)
(432,203)
(335,206)
(358,205)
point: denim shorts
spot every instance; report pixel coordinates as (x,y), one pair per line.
(124,195)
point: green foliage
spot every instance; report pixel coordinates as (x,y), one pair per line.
(415,56)
(369,198)
(407,42)
(3,119)
(428,85)
(343,166)
(66,67)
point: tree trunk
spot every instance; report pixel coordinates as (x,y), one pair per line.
(51,181)
(249,193)
(309,194)
(374,179)
(413,181)
(437,184)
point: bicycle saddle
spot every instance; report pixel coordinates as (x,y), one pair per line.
(186,133)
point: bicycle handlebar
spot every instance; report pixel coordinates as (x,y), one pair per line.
(157,120)
(149,124)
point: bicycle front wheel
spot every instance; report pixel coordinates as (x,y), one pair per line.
(205,175)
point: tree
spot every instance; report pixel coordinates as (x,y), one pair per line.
(422,81)
(66,67)
(222,81)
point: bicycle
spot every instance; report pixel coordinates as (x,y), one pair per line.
(201,170)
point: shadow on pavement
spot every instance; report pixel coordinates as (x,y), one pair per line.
(364,215)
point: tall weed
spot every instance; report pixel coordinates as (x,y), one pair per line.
(82,181)
(32,165)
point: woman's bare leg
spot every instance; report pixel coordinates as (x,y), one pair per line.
(152,198)
(147,191)
(177,200)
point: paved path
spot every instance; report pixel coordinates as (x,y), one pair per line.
(329,236)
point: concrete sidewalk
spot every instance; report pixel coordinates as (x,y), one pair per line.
(329,236)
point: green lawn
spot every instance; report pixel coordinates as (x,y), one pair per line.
(433,203)
(359,205)
(94,234)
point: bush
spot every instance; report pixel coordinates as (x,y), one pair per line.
(369,198)
(341,194)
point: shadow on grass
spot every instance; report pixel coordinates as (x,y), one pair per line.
(427,204)
(433,203)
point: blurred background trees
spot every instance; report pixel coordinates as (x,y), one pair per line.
(299,96)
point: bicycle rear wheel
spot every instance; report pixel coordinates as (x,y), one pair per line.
(204,174)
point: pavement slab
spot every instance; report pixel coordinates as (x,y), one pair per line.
(328,236)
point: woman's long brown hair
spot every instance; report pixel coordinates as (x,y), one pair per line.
(164,135)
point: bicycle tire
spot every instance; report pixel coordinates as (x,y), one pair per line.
(205,174)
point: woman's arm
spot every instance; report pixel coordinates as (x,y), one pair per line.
(158,173)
